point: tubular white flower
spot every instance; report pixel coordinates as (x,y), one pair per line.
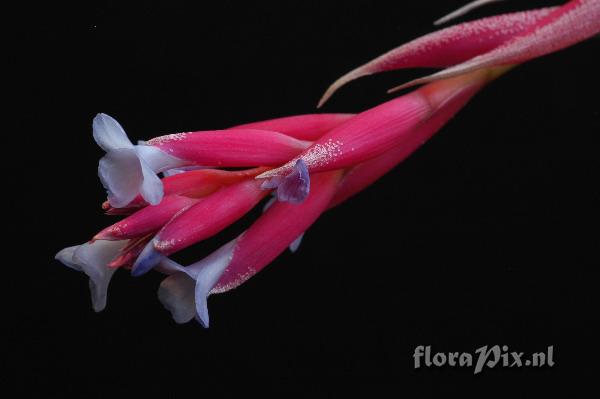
(185,291)
(127,169)
(92,259)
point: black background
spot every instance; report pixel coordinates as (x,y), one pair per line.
(487,235)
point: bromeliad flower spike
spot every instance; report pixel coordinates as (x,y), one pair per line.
(309,163)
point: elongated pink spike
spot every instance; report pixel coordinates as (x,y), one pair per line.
(303,127)
(362,175)
(147,220)
(209,216)
(375,131)
(230,148)
(447,46)
(570,24)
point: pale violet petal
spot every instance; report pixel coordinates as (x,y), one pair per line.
(109,134)
(147,260)
(120,172)
(151,189)
(271,183)
(207,273)
(65,256)
(92,259)
(168,266)
(295,187)
(158,160)
(176,293)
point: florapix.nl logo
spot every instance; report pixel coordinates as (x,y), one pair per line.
(490,357)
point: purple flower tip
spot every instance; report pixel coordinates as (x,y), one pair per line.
(294,188)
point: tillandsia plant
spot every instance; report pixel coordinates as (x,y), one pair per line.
(308,163)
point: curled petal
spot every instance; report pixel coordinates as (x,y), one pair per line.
(120,172)
(176,293)
(447,46)
(294,187)
(92,259)
(184,293)
(151,188)
(127,170)
(109,134)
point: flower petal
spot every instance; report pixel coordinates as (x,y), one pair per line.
(92,259)
(209,270)
(184,293)
(176,293)
(147,260)
(65,256)
(109,134)
(151,189)
(294,188)
(121,175)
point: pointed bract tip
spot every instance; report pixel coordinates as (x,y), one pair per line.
(406,85)
(342,81)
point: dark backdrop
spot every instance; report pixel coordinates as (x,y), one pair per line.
(487,235)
